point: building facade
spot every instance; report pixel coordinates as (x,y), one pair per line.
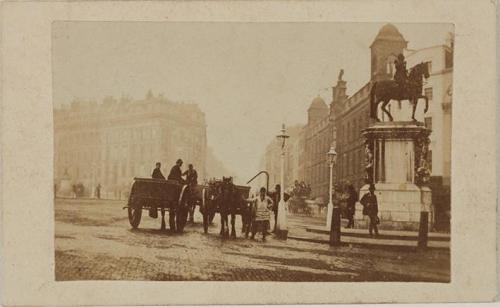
(110,143)
(319,137)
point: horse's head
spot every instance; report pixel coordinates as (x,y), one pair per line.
(418,71)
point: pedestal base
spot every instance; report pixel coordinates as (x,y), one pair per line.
(399,206)
(282,234)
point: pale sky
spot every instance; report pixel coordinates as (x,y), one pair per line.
(248,78)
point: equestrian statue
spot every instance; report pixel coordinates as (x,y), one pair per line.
(405,86)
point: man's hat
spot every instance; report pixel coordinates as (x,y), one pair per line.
(179,161)
(372,187)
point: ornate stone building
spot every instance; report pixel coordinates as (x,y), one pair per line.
(112,142)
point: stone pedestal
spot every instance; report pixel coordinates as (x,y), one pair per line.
(399,172)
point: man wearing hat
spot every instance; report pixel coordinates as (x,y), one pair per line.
(370,208)
(157,172)
(176,172)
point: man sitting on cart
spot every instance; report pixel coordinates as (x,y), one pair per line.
(157,172)
(176,172)
(191,176)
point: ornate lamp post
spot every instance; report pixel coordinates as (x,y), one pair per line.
(332,156)
(281,224)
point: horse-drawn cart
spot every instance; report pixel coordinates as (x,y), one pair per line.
(159,195)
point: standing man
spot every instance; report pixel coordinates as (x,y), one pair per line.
(370,208)
(192,182)
(351,205)
(191,176)
(276,201)
(157,172)
(98,191)
(176,172)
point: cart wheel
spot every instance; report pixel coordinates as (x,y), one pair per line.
(134,215)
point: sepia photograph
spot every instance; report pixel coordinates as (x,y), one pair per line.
(248,152)
(235,151)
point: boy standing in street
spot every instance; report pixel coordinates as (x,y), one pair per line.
(263,205)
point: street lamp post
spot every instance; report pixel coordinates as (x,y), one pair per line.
(331,155)
(281,223)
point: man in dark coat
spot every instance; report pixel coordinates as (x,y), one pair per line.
(370,208)
(191,176)
(176,172)
(157,172)
(351,205)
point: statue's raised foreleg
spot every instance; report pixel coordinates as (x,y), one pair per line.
(426,103)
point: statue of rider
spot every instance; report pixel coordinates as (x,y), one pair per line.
(401,74)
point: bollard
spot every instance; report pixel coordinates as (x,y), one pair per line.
(335,227)
(423,229)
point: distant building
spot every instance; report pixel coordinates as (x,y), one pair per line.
(112,142)
(271,161)
(215,168)
(319,136)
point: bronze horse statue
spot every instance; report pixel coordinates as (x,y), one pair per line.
(386,90)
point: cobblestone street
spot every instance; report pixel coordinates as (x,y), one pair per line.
(94,241)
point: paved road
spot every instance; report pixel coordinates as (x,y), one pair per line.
(94,241)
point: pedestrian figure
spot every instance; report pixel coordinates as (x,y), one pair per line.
(157,172)
(351,205)
(370,208)
(192,182)
(262,204)
(98,191)
(276,200)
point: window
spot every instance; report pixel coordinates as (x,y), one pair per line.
(348,132)
(428,122)
(448,59)
(390,68)
(428,93)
